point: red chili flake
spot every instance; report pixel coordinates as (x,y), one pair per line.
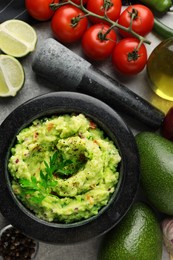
(92,125)
(36,135)
(17,160)
(96,142)
(50,126)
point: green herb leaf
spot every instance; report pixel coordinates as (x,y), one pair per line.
(57,165)
(38,199)
(66,167)
(27,184)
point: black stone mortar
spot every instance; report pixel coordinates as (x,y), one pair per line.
(112,124)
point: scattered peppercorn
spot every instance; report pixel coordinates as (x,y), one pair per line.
(14,245)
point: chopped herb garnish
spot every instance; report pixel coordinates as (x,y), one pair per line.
(39,189)
(57,166)
(66,167)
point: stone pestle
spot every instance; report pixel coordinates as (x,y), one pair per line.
(70,72)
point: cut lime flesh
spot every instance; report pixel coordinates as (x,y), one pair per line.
(11,75)
(17,38)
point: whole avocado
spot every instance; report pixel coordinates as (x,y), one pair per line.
(156,169)
(137,237)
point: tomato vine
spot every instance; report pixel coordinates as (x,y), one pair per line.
(105,18)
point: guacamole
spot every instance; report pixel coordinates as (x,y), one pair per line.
(64,168)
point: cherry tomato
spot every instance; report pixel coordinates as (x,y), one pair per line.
(111,7)
(39,9)
(127,59)
(96,45)
(167,126)
(143,20)
(79,1)
(66,24)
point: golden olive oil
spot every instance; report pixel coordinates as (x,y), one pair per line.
(160,69)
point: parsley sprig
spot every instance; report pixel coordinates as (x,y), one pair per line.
(39,189)
(58,166)
(67,167)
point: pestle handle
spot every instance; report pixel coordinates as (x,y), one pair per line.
(70,72)
(119,97)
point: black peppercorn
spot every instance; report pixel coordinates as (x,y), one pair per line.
(14,245)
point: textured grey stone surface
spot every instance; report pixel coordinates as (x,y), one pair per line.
(35,86)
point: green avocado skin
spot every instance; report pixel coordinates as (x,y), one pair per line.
(137,237)
(156,169)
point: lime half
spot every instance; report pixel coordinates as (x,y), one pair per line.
(17,38)
(11,75)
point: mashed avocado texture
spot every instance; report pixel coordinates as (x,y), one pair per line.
(64,168)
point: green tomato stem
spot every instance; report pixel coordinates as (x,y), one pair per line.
(104,18)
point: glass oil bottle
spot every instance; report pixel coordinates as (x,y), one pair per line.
(160,69)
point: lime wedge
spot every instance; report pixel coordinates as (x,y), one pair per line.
(17,38)
(11,75)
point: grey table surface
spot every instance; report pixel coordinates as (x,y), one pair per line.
(35,86)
